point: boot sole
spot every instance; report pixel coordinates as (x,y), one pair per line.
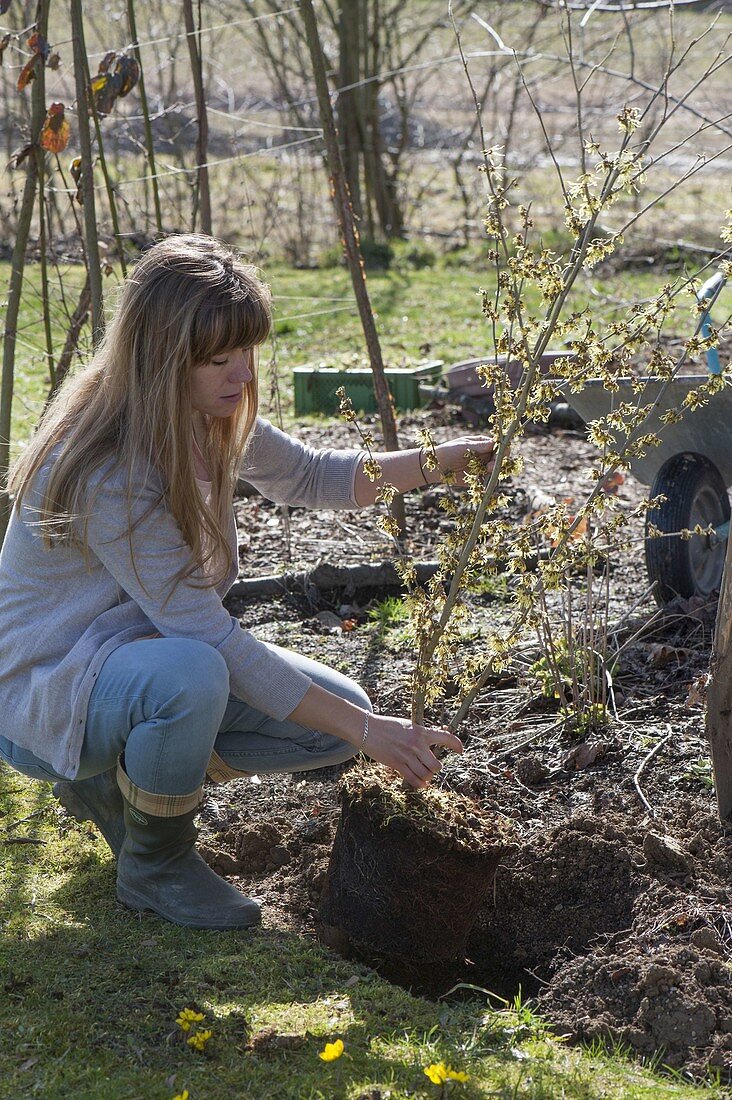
(139,904)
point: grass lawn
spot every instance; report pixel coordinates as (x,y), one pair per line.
(432,312)
(91,995)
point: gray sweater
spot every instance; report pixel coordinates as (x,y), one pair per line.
(60,619)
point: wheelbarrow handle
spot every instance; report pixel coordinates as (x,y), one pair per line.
(709,292)
(711,288)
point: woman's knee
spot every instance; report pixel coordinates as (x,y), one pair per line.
(348,689)
(200,674)
(340,684)
(181,675)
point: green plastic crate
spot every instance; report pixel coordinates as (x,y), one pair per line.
(315,387)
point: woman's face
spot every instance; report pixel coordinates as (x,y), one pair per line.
(217,387)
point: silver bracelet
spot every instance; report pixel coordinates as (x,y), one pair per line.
(365,731)
(421,466)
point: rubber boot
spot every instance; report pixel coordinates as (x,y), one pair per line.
(96,799)
(159,868)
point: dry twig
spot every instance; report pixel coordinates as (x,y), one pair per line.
(644,763)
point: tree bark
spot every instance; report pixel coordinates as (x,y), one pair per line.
(17,265)
(204,194)
(351,243)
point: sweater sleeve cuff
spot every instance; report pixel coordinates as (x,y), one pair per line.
(343,486)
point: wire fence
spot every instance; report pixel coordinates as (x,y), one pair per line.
(541,104)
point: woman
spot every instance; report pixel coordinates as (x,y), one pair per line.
(122,676)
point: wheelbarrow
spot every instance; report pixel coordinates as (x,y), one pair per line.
(691,469)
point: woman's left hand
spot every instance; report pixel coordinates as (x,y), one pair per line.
(454,456)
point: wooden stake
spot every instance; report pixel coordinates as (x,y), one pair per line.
(351,243)
(719,695)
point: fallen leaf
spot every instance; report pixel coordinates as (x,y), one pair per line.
(661,654)
(698,691)
(271,1041)
(582,755)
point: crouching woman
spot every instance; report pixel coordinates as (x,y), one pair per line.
(122,677)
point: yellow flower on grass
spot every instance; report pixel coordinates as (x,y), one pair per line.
(439,1073)
(456,1075)
(199,1039)
(332,1051)
(182,1095)
(188,1016)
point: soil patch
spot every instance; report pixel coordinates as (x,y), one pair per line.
(614,917)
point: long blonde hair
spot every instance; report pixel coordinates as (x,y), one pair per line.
(188,299)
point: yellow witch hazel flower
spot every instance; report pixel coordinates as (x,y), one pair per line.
(439,1073)
(332,1051)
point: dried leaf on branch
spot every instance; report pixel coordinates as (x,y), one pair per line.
(41,49)
(118,74)
(75,168)
(20,155)
(4,43)
(56,130)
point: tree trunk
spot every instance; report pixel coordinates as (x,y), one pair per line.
(91,241)
(17,265)
(348,105)
(204,194)
(351,243)
(149,145)
(379,184)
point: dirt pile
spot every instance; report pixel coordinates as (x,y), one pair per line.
(622,934)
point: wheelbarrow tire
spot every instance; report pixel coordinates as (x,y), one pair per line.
(695,495)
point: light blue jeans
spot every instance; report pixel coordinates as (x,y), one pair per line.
(165,703)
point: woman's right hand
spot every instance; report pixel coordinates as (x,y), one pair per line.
(392,741)
(407,748)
